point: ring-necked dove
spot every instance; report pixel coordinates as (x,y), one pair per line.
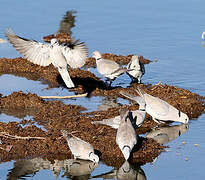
(136,69)
(126,137)
(79,148)
(160,110)
(73,54)
(166,134)
(136,117)
(108,68)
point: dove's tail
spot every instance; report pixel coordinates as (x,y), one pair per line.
(97,122)
(65,134)
(140,92)
(138,99)
(66,77)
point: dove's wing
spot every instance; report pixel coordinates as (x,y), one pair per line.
(33,51)
(157,105)
(75,53)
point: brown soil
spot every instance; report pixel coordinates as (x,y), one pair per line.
(54,116)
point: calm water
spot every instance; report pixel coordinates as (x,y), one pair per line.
(169,31)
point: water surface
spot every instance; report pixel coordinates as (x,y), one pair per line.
(169,31)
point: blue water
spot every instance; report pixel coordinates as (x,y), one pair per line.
(169,31)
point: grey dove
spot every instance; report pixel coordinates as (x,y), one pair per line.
(136,69)
(136,117)
(108,68)
(126,137)
(160,110)
(79,148)
(73,54)
(166,134)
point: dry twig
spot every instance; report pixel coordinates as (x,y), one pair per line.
(63,97)
(6,135)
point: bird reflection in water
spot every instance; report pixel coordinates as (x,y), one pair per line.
(166,134)
(71,168)
(125,172)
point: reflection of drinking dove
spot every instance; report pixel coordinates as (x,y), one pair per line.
(160,110)
(125,172)
(126,136)
(166,134)
(75,168)
(108,68)
(73,54)
(135,69)
(79,148)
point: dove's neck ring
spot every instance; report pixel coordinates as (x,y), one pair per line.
(126,146)
(142,109)
(99,58)
(90,154)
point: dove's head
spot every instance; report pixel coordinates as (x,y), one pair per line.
(54,41)
(135,58)
(93,157)
(97,55)
(126,152)
(183,117)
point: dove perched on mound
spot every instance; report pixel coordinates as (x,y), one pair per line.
(136,69)
(160,110)
(166,134)
(108,68)
(73,54)
(79,148)
(126,137)
(136,117)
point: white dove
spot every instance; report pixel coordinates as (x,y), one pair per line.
(73,54)
(108,68)
(126,137)
(160,110)
(136,117)
(136,69)
(79,148)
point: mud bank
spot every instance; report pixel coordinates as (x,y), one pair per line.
(54,116)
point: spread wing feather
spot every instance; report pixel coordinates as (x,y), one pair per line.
(32,50)
(75,53)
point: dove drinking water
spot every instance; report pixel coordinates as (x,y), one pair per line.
(126,137)
(159,109)
(79,148)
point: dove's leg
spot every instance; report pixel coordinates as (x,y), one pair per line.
(156,120)
(66,77)
(139,80)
